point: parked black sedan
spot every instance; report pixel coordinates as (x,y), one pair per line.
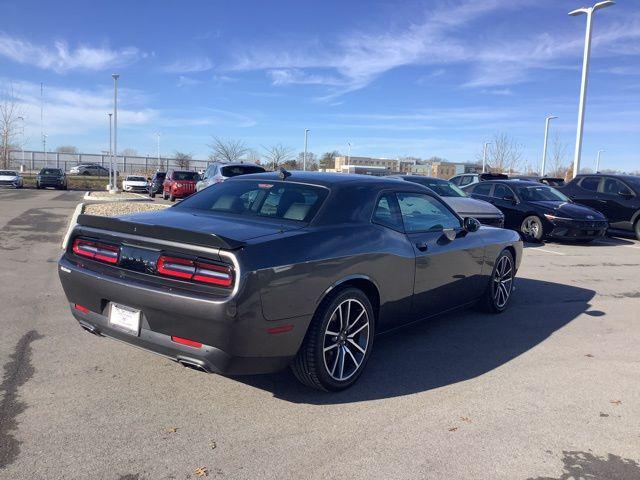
(538,211)
(616,196)
(51,177)
(463,205)
(265,271)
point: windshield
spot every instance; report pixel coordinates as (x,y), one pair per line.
(272,199)
(441,187)
(186,176)
(50,171)
(136,179)
(541,193)
(234,171)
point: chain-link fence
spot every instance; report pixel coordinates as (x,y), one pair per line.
(29,161)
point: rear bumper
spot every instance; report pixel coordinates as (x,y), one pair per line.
(235,336)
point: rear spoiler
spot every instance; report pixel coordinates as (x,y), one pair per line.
(161,232)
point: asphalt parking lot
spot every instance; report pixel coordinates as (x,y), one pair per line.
(549,388)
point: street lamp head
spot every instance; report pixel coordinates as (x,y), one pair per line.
(579,11)
(606,3)
(551,117)
(115,76)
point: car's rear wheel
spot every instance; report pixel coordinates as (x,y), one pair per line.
(338,343)
(637,228)
(496,297)
(172,197)
(152,194)
(86,173)
(164,195)
(532,228)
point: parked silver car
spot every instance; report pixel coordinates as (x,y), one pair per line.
(89,169)
(219,172)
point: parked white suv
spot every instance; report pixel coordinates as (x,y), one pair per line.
(135,183)
(219,172)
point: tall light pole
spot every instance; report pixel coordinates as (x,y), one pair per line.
(546,137)
(44,148)
(114,186)
(349,154)
(304,160)
(110,187)
(585,75)
(158,149)
(22,135)
(484,156)
(598,161)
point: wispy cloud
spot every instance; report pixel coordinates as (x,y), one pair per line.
(61,58)
(191,65)
(438,39)
(184,81)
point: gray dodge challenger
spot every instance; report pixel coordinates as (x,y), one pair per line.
(271,270)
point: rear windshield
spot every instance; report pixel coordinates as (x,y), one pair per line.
(161,174)
(271,199)
(441,187)
(185,176)
(50,171)
(136,179)
(541,194)
(8,173)
(235,170)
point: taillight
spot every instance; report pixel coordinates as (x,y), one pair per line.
(101,252)
(195,270)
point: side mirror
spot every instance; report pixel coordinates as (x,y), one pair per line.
(471,225)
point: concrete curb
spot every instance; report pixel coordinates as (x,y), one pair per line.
(142,198)
(72,223)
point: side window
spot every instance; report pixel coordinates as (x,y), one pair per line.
(482,188)
(422,213)
(465,180)
(386,213)
(615,187)
(590,183)
(502,191)
(456,180)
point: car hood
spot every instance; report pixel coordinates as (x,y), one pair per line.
(465,206)
(135,182)
(568,210)
(233,227)
(8,177)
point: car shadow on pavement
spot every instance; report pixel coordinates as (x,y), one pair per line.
(448,349)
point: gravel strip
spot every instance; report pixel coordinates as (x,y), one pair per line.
(121,208)
(114,196)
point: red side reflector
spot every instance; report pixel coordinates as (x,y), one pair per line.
(184,341)
(80,308)
(280,329)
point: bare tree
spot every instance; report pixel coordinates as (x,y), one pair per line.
(252,156)
(277,154)
(67,149)
(328,159)
(557,160)
(129,152)
(10,116)
(227,150)
(182,160)
(504,153)
(311,161)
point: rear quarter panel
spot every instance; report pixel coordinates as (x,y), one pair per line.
(298,268)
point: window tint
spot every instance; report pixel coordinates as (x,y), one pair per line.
(386,213)
(590,183)
(456,180)
(185,176)
(502,191)
(240,170)
(482,189)
(288,201)
(441,187)
(541,193)
(615,187)
(422,213)
(50,171)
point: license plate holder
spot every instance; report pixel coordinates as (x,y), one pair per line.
(124,318)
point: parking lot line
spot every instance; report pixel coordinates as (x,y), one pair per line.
(546,251)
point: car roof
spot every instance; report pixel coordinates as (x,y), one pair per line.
(621,176)
(405,177)
(519,183)
(238,164)
(323,179)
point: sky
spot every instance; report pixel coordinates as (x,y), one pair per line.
(393,78)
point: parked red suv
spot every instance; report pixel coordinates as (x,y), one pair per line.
(179,184)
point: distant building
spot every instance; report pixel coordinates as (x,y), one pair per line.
(390,165)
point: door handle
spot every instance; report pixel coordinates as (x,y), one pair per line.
(422,246)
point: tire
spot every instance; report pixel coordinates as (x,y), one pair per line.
(503,274)
(346,355)
(637,229)
(152,195)
(532,229)
(172,198)
(164,195)
(65,187)
(86,173)
(38,186)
